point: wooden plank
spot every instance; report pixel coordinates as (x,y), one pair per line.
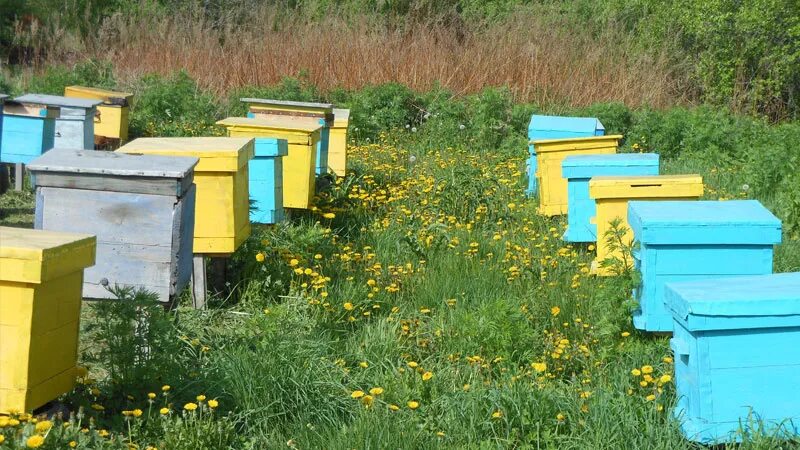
(19,175)
(142,185)
(113,163)
(58,100)
(182,237)
(199,282)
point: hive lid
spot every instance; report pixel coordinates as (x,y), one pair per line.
(108,97)
(341,117)
(582,142)
(271,147)
(3,97)
(744,297)
(57,100)
(33,256)
(703,222)
(587,126)
(287,103)
(587,166)
(226,154)
(651,186)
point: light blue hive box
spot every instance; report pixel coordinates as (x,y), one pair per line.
(737,358)
(3,98)
(578,170)
(28,131)
(556,127)
(75,124)
(266,180)
(692,240)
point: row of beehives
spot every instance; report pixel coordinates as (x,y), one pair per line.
(135,217)
(705,274)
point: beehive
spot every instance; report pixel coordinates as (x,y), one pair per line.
(140,207)
(578,170)
(337,143)
(550,154)
(41,273)
(556,127)
(611,195)
(112,119)
(29,129)
(75,123)
(266,180)
(302,112)
(298,164)
(222,206)
(684,241)
(3,98)
(736,356)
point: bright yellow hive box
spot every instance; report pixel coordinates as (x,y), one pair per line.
(222,205)
(549,155)
(337,142)
(41,278)
(612,193)
(298,165)
(112,116)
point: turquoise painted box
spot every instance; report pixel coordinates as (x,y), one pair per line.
(28,131)
(692,240)
(556,127)
(3,98)
(75,123)
(578,170)
(266,180)
(737,358)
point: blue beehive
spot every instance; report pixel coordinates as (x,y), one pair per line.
(736,355)
(690,240)
(266,180)
(3,98)
(578,170)
(556,127)
(28,131)
(75,123)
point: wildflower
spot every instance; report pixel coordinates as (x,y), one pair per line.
(586,394)
(665,379)
(647,369)
(72,444)
(412,364)
(348,306)
(2,438)
(213,404)
(151,395)
(357,394)
(103,433)
(200,398)
(625,334)
(367,401)
(560,417)
(497,414)
(165,388)
(636,372)
(539,367)
(412,404)
(98,407)
(465,387)
(293,262)
(136,412)
(650,397)
(329,215)
(555,311)
(376,391)
(363,364)
(260,257)
(590,247)
(425,310)
(164,411)
(190,406)
(427,376)
(440,434)
(43,426)
(34,441)
(394,407)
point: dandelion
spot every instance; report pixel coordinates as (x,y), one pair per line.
(647,369)
(35,441)
(466,387)
(165,388)
(636,372)
(103,433)
(555,311)
(412,404)
(376,391)
(329,215)
(151,395)
(665,379)
(164,411)
(394,407)
(136,413)
(213,404)
(539,366)
(412,364)
(190,406)
(560,417)
(43,426)
(357,394)
(293,262)
(367,400)
(650,397)
(586,394)
(260,257)
(201,398)
(497,414)
(363,364)
(424,310)
(2,438)
(427,376)
(625,334)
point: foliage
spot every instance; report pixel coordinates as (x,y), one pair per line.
(87,73)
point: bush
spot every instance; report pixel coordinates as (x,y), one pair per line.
(92,73)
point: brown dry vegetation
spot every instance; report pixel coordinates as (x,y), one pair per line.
(540,59)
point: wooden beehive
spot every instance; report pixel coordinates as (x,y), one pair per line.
(684,241)
(75,123)
(736,356)
(266,180)
(337,142)
(41,273)
(550,153)
(303,112)
(113,114)
(222,204)
(28,130)
(140,207)
(298,164)
(556,127)
(578,170)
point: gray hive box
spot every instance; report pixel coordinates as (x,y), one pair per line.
(141,207)
(75,126)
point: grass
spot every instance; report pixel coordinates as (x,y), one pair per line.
(434,266)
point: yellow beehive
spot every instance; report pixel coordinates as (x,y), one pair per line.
(337,142)
(222,205)
(611,194)
(549,155)
(41,277)
(298,165)
(112,116)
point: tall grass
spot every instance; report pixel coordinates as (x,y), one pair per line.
(541,56)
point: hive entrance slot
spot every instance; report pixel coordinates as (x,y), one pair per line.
(646,185)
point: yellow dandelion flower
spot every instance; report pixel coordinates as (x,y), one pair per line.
(2,438)
(665,379)
(190,406)
(427,376)
(103,433)
(367,400)
(329,215)
(357,394)
(412,404)
(636,372)
(650,397)
(647,369)
(164,411)
(43,426)
(200,398)
(151,395)
(560,417)
(165,388)
(497,414)
(293,262)
(260,257)
(625,334)
(555,311)
(394,407)
(136,413)
(213,404)
(412,364)
(34,441)
(539,366)
(72,444)
(465,387)
(363,364)
(376,391)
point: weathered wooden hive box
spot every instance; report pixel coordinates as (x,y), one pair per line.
(310,112)
(736,356)
(113,113)
(140,207)
(75,124)
(550,153)
(29,129)
(41,273)
(298,164)
(222,205)
(556,127)
(578,170)
(337,142)
(611,195)
(685,241)
(266,180)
